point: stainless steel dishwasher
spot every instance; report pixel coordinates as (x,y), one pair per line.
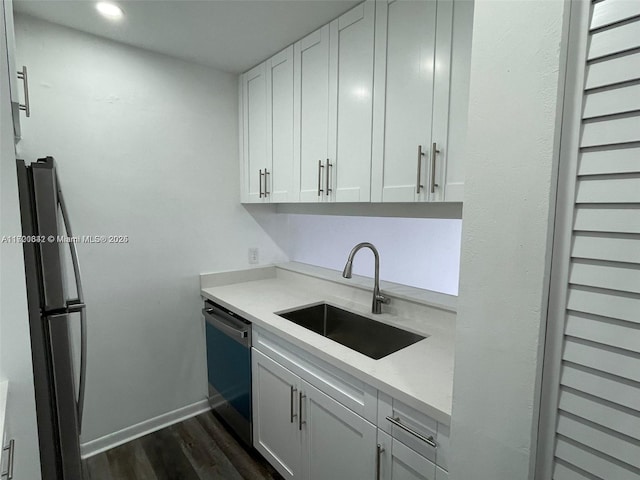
(229,367)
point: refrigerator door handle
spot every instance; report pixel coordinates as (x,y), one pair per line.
(77,305)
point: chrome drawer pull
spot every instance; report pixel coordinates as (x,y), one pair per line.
(379,451)
(320,167)
(26,106)
(419,175)
(428,440)
(434,151)
(293,390)
(300,421)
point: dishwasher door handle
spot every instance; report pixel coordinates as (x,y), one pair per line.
(237,332)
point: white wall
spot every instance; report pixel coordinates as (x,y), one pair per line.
(421,252)
(516,82)
(146,147)
(15,346)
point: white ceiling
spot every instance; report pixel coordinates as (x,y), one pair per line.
(232,35)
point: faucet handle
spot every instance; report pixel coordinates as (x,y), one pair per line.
(383,299)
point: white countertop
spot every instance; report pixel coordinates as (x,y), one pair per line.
(420,375)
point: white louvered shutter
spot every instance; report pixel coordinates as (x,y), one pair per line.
(592,409)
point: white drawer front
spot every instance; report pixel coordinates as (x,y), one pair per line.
(419,427)
(355,394)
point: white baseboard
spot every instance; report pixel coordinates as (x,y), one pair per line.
(141,429)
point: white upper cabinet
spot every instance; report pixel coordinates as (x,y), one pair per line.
(457,91)
(411,99)
(254,118)
(380,98)
(267,131)
(311,115)
(405,56)
(9,49)
(352,42)
(280,179)
(333,99)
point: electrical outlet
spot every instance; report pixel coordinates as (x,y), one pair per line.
(254,256)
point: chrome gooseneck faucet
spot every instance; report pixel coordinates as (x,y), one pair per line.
(378,300)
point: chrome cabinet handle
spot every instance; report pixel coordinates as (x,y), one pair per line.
(260,184)
(266,192)
(428,440)
(300,421)
(328,172)
(420,155)
(26,106)
(293,415)
(379,451)
(320,167)
(434,150)
(12,449)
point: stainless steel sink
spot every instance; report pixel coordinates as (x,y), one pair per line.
(369,337)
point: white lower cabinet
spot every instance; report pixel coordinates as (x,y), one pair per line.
(412,428)
(338,443)
(399,462)
(312,421)
(304,433)
(276,433)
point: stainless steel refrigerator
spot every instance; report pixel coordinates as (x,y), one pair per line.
(59,386)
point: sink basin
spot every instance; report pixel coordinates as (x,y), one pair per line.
(369,337)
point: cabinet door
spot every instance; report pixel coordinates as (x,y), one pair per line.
(9,44)
(404,81)
(276,428)
(461,37)
(439,154)
(351,97)
(280,127)
(412,419)
(337,443)
(311,100)
(399,462)
(255,104)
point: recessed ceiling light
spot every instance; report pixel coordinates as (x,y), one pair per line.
(109,10)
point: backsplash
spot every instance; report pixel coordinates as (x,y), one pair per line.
(420,252)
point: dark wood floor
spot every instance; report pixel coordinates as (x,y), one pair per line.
(199,448)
